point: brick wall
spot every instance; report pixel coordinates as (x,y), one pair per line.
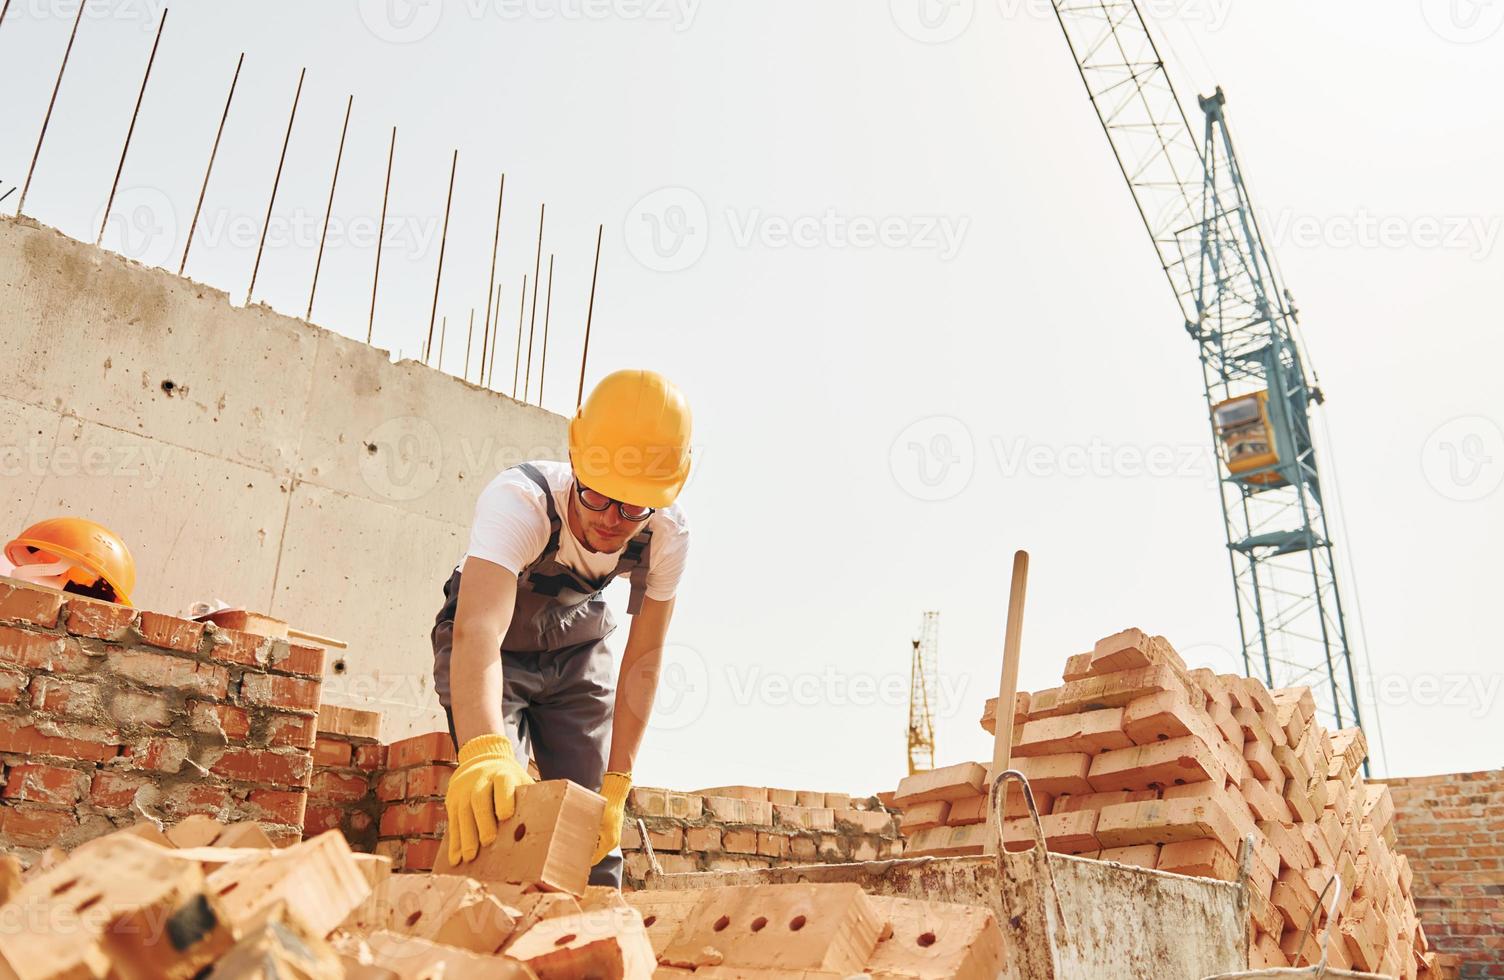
(735,828)
(110,715)
(390,799)
(411,792)
(1452,828)
(347,760)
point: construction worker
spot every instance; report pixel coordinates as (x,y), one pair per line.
(75,555)
(548,537)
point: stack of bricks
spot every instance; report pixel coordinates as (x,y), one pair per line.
(1452,830)
(233,907)
(742,828)
(348,758)
(1139,760)
(109,715)
(411,792)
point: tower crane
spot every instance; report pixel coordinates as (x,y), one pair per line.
(1191,196)
(923,688)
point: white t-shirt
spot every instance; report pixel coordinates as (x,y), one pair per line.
(511,530)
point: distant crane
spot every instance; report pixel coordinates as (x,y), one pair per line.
(923,689)
(1195,205)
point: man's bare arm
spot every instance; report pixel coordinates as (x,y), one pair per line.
(488,593)
(638,681)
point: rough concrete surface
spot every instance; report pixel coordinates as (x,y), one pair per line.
(247,456)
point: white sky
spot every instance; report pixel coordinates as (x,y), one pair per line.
(1371,136)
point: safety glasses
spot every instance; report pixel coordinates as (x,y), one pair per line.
(598,502)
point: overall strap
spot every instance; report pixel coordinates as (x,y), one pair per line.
(555,524)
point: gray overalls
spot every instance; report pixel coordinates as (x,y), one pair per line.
(558,691)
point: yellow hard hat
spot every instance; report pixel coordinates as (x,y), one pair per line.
(95,552)
(630,440)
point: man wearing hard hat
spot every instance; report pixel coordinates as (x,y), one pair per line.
(547,539)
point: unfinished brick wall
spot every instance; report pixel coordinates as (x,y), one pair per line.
(390,799)
(1452,828)
(738,828)
(411,791)
(348,757)
(111,715)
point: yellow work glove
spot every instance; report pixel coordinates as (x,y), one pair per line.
(614,788)
(482,793)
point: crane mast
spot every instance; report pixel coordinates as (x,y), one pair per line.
(923,689)
(1190,193)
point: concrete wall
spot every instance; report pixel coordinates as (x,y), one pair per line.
(247,456)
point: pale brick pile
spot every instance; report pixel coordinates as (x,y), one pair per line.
(217,902)
(1136,759)
(742,828)
(110,715)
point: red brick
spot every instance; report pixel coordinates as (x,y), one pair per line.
(290,658)
(318,818)
(739,841)
(421,855)
(420,750)
(11,686)
(277,806)
(327,785)
(196,800)
(391,786)
(220,719)
(99,620)
(262,766)
(170,632)
(291,730)
(276,691)
(332,753)
(709,839)
(370,757)
(773,845)
(82,742)
(42,651)
(428,781)
(25,604)
(237,647)
(413,819)
(26,825)
(114,790)
(41,783)
(63,696)
(160,670)
(158,754)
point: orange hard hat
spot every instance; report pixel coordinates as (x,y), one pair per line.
(97,554)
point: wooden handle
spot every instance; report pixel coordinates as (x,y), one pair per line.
(1007,690)
(323,641)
